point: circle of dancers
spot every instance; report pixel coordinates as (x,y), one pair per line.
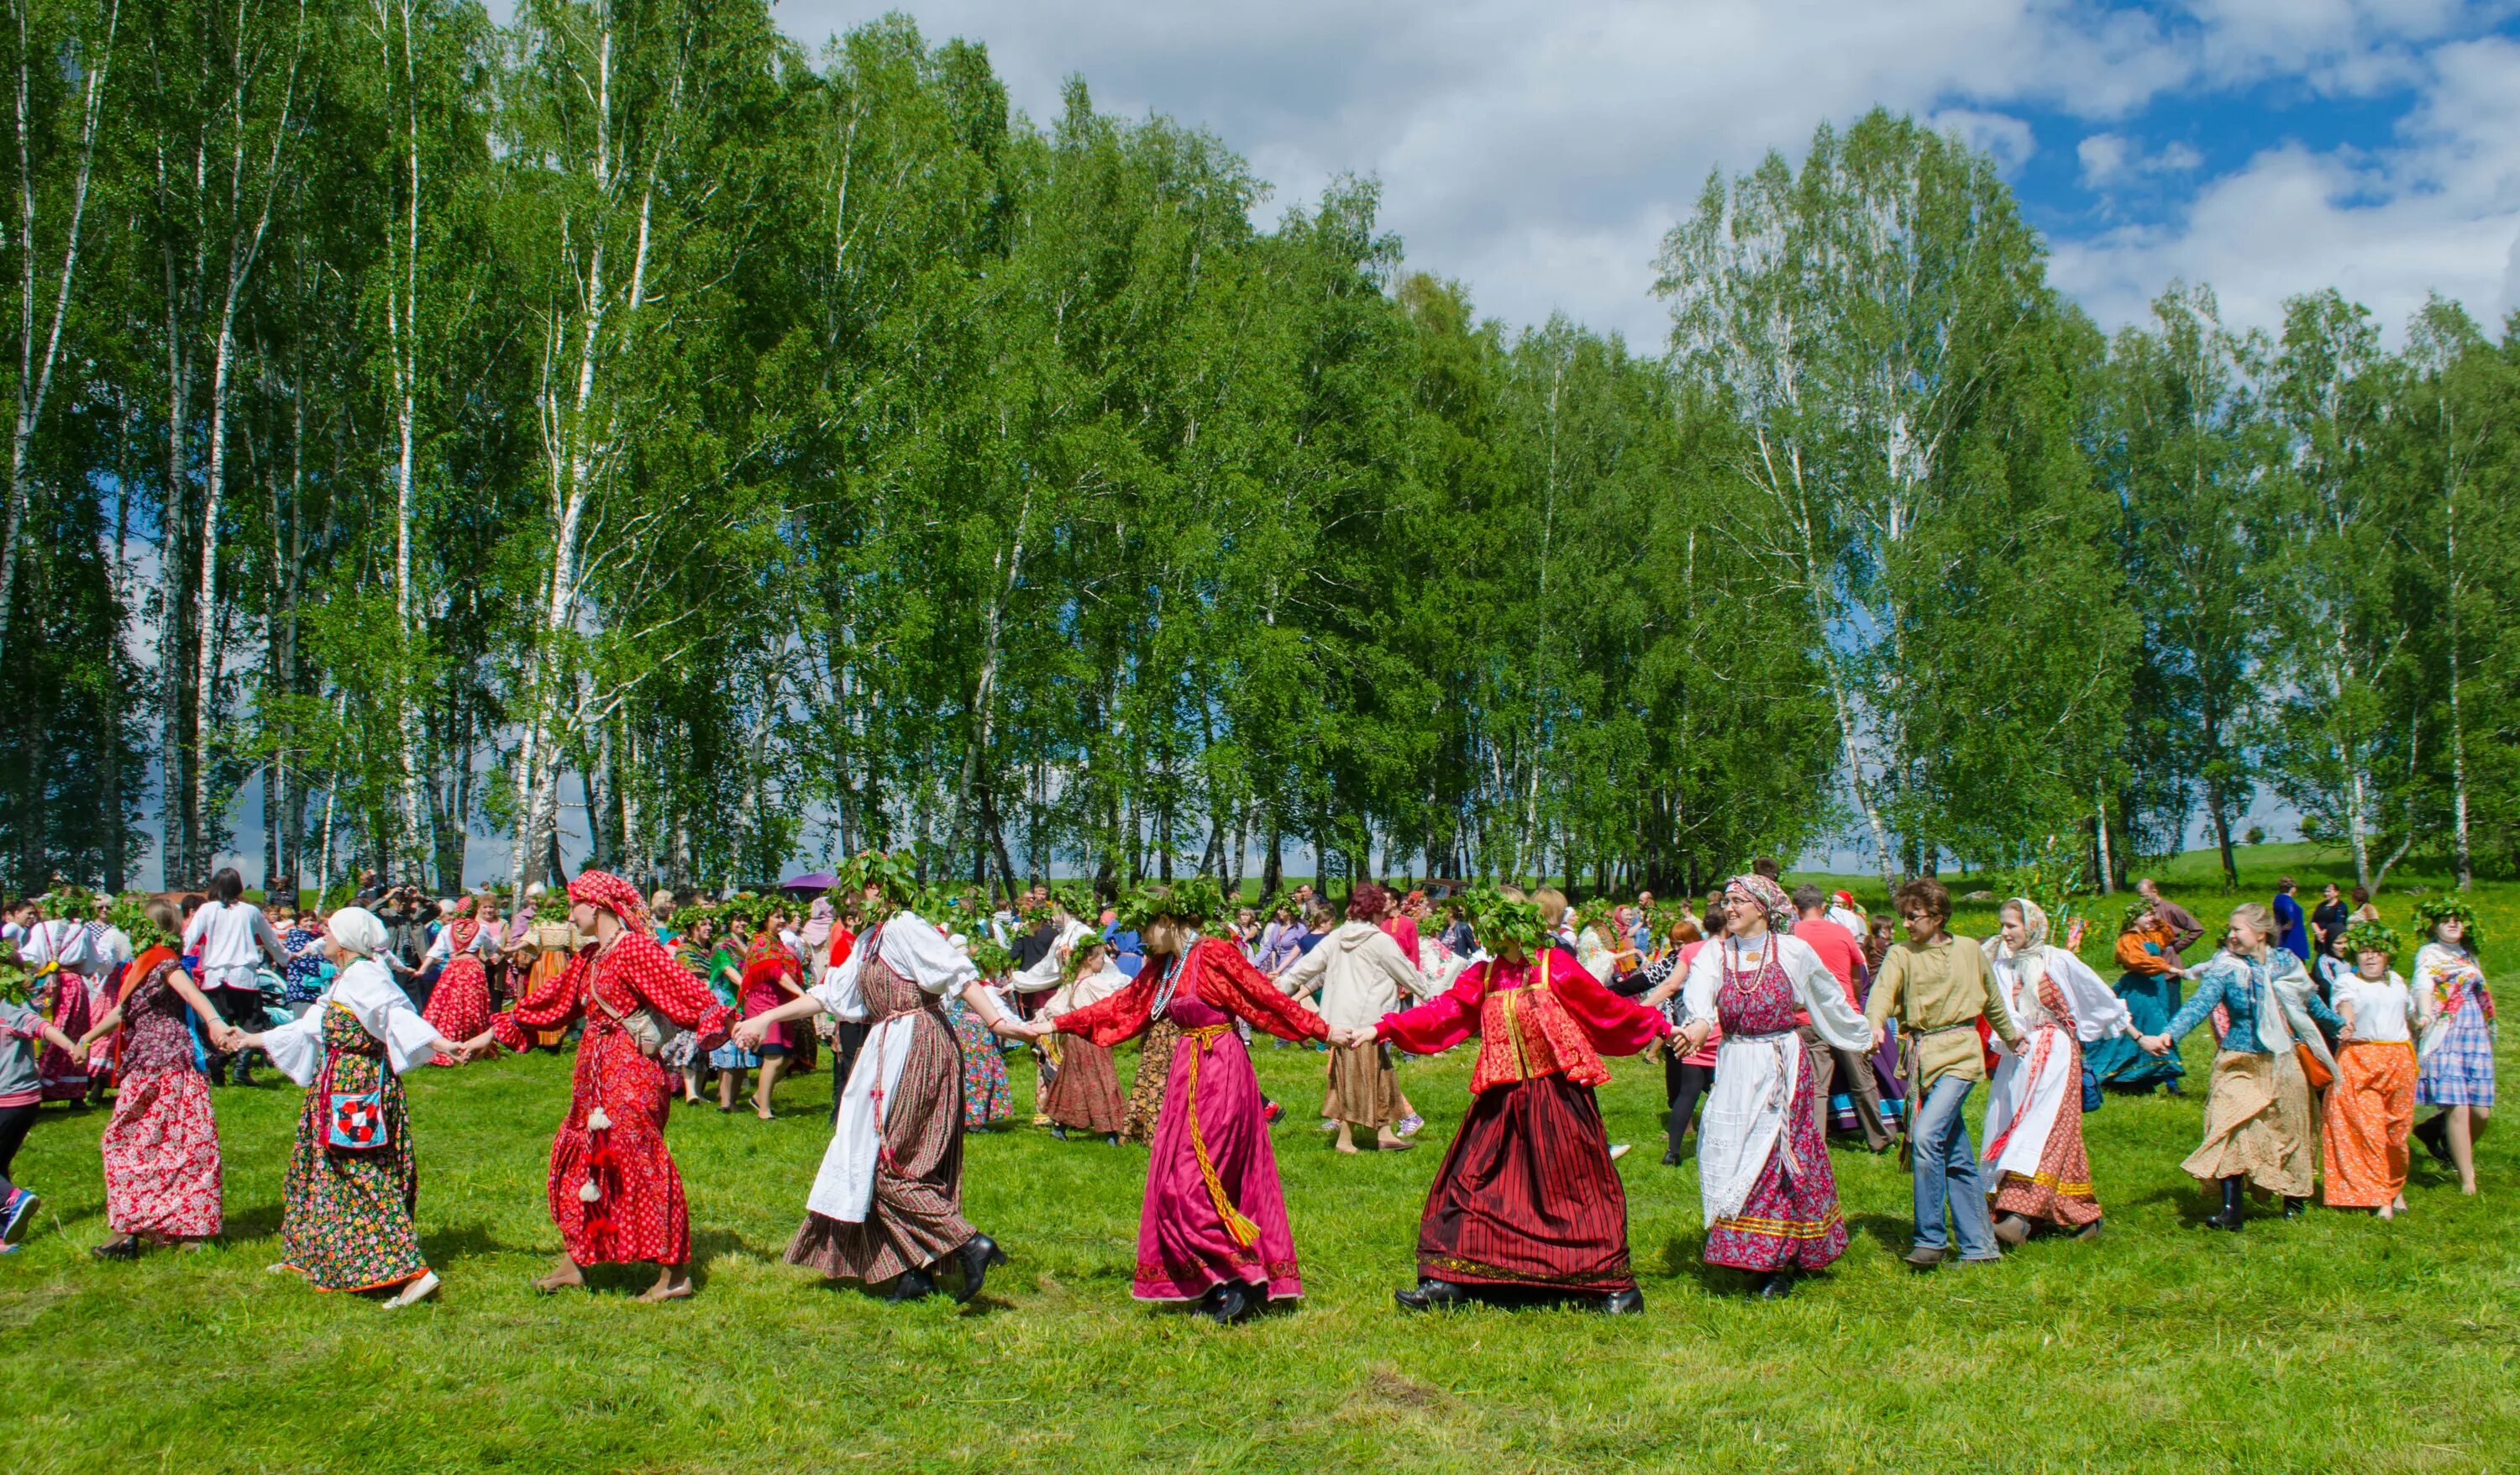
(2322,1065)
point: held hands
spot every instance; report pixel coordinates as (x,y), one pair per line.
(749,1034)
(2154,1044)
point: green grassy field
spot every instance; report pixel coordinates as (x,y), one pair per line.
(2336,1342)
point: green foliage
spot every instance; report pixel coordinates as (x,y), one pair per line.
(2372,937)
(1197,900)
(1499,921)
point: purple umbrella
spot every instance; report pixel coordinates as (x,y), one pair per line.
(819,880)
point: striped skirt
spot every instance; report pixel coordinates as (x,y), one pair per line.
(1527,1196)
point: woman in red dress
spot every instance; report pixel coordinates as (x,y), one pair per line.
(1527,1205)
(459,1007)
(770,979)
(1213,1227)
(613,1190)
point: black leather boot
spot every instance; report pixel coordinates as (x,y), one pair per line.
(2230,1217)
(1430,1294)
(1776,1287)
(913,1286)
(976,1255)
(1623,1303)
(1225,1303)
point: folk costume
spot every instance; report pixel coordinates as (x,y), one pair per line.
(459,1007)
(766,962)
(353,1185)
(2371,1108)
(1939,991)
(1764,1178)
(887,1202)
(614,1189)
(2260,1127)
(1084,1090)
(1527,1199)
(1214,1219)
(1360,973)
(161,1149)
(59,952)
(2036,1165)
(2146,952)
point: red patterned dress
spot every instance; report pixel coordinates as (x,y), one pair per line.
(460,1007)
(161,1149)
(1527,1196)
(1792,1219)
(638,1212)
(1214,1211)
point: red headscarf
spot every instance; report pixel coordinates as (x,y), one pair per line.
(602,888)
(465,926)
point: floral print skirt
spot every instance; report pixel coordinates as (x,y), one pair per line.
(161,1156)
(346,1217)
(986,1097)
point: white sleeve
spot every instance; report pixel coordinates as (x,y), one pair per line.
(2099,1012)
(838,992)
(921,954)
(298,1047)
(198,927)
(441,948)
(1705,977)
(1823,995)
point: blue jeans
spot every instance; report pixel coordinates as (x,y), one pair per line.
(1946,1170)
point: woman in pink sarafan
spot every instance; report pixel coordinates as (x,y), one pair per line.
(1213,1227)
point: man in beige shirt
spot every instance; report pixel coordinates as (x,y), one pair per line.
(1938,986)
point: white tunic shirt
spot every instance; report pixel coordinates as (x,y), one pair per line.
(227,933)
(368,992)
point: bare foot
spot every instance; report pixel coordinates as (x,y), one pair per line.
(764,1113)
(566,1277)
(1386,1141)
(672,1285)
(1350,1149)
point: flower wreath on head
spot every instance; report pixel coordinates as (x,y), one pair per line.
(2433,911)
(1196,900)
(2135,914)
(993,961)
(2372,937)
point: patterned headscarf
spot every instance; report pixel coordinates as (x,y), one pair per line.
(1769,896)
(602,888)
(2030,960)
(769,947)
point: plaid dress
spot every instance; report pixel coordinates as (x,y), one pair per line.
(2458,1064)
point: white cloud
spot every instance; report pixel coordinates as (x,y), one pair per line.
(2437,209)
(1538,149)
(2110,159)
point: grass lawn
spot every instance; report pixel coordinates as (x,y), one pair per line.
(2337,1341)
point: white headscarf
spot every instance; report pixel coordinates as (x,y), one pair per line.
(2031,959)
(356,929)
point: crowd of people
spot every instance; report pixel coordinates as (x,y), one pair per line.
(1783,1020)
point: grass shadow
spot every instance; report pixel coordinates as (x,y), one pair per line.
(468,1241)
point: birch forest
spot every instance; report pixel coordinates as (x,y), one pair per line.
(627,423)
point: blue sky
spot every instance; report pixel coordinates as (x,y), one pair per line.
(1537,150)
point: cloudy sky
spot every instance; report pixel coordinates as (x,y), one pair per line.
(1537,150)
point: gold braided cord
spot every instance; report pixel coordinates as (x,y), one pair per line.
(1246,1233)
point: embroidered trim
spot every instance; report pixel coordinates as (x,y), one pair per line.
(1617,1271)
(2050,1181)
(1783,1229)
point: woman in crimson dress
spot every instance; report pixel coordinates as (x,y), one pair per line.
(459,1007)
(1213,1227)
(614,1189)
(1527,1205)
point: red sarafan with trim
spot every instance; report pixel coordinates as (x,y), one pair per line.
(1528,1194)
(614,1192)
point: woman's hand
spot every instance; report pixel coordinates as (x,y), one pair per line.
(2154,1044)
(749,1034)
(1694,1035)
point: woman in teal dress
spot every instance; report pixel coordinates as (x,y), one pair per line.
(2147,952)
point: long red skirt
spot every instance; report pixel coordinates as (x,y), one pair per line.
(1792,1219)
(161,1157)
(1527,1196)
(460,1007)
